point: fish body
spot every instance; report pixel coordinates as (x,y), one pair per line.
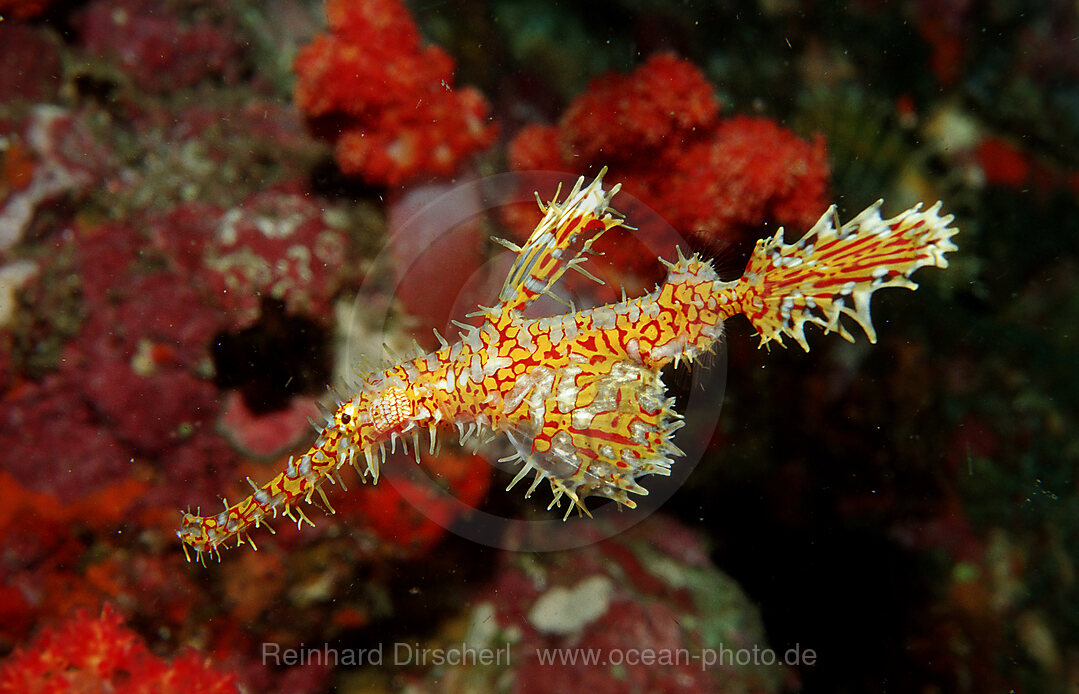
(580,394)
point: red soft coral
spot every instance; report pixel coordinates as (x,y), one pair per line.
(99,654)
(660,105)
(535,147)
(716,182)
(749,173)
(23,9)
(387,101)
(1003,163)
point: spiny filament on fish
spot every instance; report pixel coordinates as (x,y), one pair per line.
(579,395)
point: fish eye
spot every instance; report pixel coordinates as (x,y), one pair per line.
(346,418)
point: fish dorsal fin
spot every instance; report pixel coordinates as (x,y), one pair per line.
(560,241)
(833,270)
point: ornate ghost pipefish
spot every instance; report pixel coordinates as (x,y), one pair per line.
(579,395)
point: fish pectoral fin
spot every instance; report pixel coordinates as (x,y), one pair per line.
(598,437)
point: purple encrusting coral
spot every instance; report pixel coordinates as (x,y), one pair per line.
(159,49)
(126,382)
(178,252)
(276,244)
(151,309)
(57,159)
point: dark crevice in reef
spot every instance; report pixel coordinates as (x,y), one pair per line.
(280,356)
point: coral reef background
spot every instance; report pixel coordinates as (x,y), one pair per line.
(206,208)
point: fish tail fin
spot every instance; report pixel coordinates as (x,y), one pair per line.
(834,269)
